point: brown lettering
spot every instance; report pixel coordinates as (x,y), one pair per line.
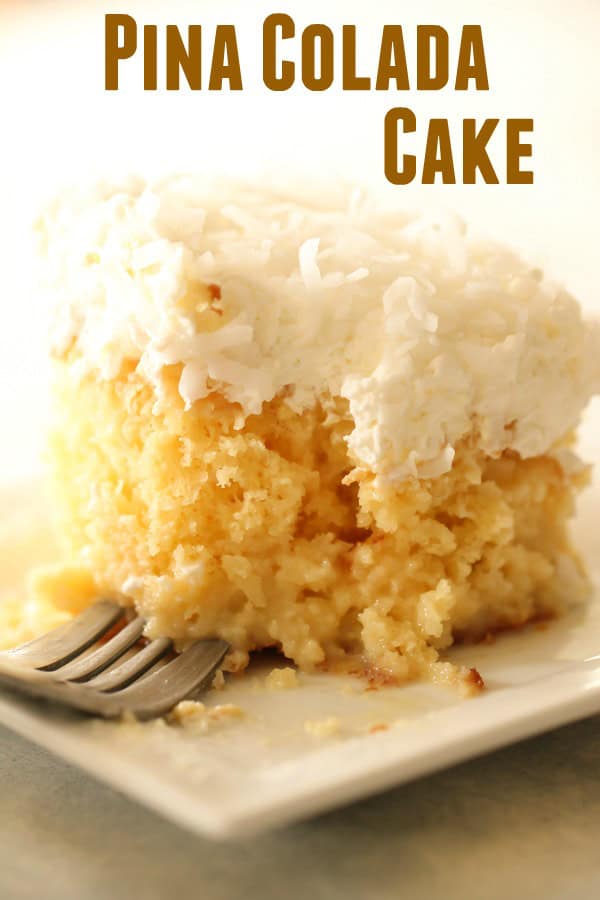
(225,61)
(515,150)
(150,68)
(187,59)
(390,144)
(474,151)
(113,50)
(438,153)
(426,79)
(471,44)
(350,80)
(392,60)
(271,80)
(324,79)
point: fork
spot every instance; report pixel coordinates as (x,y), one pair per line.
(106,680)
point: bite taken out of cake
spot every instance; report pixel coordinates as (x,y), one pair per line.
(335,429)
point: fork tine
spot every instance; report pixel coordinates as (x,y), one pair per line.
(82,668)
(151,696)
(47,667)
(64,643)
(123,674)
(156,693)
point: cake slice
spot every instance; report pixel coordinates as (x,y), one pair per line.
(331,428)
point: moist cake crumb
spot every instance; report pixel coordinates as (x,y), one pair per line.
(218,682)
(195,715)
(281,679)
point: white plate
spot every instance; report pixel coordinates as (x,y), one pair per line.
(265,769)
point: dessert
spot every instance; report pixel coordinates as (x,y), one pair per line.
(330,428)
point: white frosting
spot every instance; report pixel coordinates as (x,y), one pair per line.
(427,333)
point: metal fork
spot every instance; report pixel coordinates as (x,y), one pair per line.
(107,680)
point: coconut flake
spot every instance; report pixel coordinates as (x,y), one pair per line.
(307,259)
(428,332)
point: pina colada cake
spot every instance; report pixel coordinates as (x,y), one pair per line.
(327,427)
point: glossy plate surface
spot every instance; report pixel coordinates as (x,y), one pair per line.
(269,767)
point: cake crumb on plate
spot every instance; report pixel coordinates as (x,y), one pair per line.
(194,714)
(323,728)
(218,682)
(281,679)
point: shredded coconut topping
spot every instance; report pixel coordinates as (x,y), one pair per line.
(427,333)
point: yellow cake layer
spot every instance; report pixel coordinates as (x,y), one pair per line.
(268,535)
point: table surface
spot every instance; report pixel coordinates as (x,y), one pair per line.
(523,822)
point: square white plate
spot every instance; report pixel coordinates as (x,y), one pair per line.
(266,769)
